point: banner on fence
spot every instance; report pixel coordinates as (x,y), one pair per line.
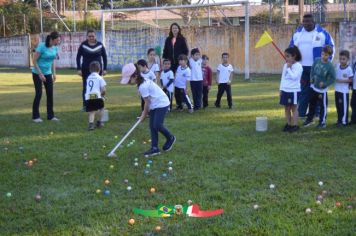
(14,51)
(348,38)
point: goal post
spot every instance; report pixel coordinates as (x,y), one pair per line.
(213,28)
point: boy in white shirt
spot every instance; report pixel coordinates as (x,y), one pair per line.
(196,79)
(223,79)
(180,84)
(344,76)
(167,81)
(353,98)
(95,91)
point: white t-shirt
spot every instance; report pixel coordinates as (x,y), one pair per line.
(305,46)
(95,83)
(149,75)
(224,73)
(182,75)
(290,81)
(342,74)
(197,72)
(154,68)
(158,99)
(165,77)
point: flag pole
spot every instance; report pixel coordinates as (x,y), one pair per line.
(279,50)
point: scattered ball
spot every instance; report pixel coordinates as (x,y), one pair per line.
(51,133)
(329,211)
(35,160)
(152,190)
(133,140)
(170,168)
(319,197)
(349,207)
(318,202)
(338,204)
(85,156)
(111,166)
(149,140)
(107,182)
(324,192)
(128,145)
(144,142)
(158,228)
(7,142)
(8,194)
(164,175)
(98,191)
(38,197)
(170,163)
(255,206)
(129,188)
(136,164)
(116,137)
(272,186)
(126,181)
(6,149)
(146,172)
(21,148)
(308,210)
(107,192)
(150,162)
(131,221)
(104,146)
(190,202)
(148,165)
(321,183)
(30,163)
(136,159)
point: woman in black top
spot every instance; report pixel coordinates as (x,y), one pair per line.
(91,50)
(174,46)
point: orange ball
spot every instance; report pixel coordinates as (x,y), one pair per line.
(107,182)
(131,221)
(152,190)
(30,163)
(158,228)
(338,204)
(34,159)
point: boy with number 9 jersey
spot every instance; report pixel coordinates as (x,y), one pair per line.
(95,91)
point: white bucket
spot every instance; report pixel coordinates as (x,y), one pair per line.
(105,117)
(261,124)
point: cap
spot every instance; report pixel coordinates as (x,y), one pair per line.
(127,72)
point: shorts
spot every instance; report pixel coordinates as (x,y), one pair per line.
(94,104)
(289,98)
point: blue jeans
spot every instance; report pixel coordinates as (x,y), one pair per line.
(156,125)
(305,91)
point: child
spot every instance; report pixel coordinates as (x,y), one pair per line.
(343,79)
(224,77)
(146,74)
(196,79)
(95,90)
(290,87)
(353,99)
(151,62)
(156,102)
(167,81)
(207,79)
(322,75)
(180,84)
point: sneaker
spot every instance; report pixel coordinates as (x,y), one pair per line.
(190,110)
(38,120)
(54,119)
(293,128)
(169,144)
(152,152)
(308,123)
(91,126)
(99,124)
(286,128)
(321,126)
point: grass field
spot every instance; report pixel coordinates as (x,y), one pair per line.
(219,161)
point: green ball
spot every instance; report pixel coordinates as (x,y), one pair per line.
(9,194)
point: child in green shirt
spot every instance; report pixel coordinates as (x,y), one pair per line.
(322,75)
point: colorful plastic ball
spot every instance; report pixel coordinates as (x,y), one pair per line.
(116,137)
(272,186)
(111,166)
(146,172)
(308,210)
(107,182)
(150,162)
(170,168)
(329,211)
(21,148)
(152,190)
(98,191)
(136,163)
(129,188)
(324,192)
(349,207)
(158,228)
(126,181)
(190,202)
(144,142)
(38,197)
(319,197)
(30,163)
(255,206)
(8,194)
(149,140)
(107,192)
(164,175)
(136,159)
(338,204)
(131,221)
(148,165)
(35,160)
(133,140)
(104,146)
(6,149)
(321,183)
(170,163)
(51,133)
(318,202)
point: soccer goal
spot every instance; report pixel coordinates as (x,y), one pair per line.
(212,27)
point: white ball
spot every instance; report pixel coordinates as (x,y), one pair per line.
(318,202)
(330,211)
(170,163)
(129,188)
(272,186)
(321,183)
(255,206)
(308,210)
(136,164)
(170,168)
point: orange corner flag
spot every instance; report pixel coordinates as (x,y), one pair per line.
(265,39)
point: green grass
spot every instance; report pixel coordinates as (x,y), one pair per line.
(220,161)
